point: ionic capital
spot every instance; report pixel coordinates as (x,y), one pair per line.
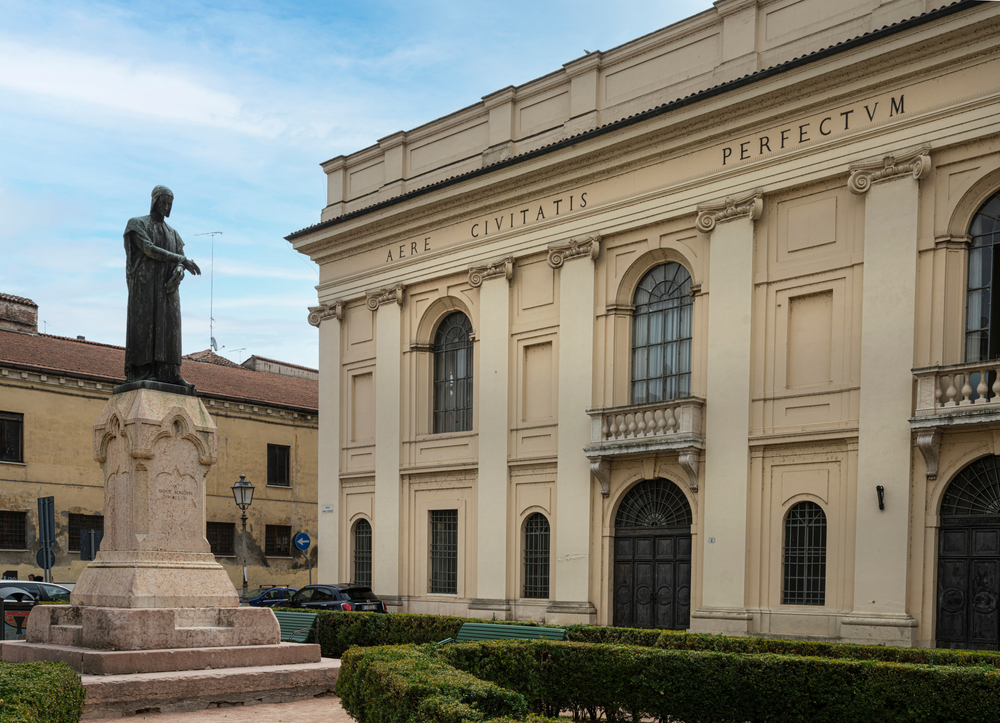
(493,270)
(562,252)
(385,295)
(748,205)
(333,310)
(914,161)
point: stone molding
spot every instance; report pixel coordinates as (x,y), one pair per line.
(333,310)
(560,253)
(688,460)
(601,469)
(620,309)
(747,205)
(915,162)
(929,443)
(493,270)
(386,295)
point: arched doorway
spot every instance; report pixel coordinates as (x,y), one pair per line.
(652,582)
(968,586)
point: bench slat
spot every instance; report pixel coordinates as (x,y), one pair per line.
(295,627)
(487,631)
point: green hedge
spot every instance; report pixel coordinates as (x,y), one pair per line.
(40,693)
(629,682)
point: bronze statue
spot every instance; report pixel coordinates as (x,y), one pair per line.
(154,266)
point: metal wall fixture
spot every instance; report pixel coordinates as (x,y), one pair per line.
(880,490)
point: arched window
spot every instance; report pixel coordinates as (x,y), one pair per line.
(453,374)
(536,556)
(661,335)
(982,313)
(363,552)
(805,555)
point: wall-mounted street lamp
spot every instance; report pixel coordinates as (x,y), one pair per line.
(243,494)
(880,491)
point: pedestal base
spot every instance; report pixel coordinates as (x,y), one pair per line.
(564,612)
(900,630)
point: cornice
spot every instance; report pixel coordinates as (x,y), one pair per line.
(386,295)
(560,253)
(494,269)
(747,205)
(333,310)
(915,162)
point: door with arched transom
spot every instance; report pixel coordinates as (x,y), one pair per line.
(652,557)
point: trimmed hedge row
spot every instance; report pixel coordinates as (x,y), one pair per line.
(40,693)
(630,682)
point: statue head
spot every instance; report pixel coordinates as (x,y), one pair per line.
(163,201)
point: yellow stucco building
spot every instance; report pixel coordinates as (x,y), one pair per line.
(690,333)
(52,390)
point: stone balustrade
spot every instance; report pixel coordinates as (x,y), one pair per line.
(958,388)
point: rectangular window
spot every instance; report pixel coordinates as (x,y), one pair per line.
(221,537)
(11,437)
(444,551)
(278,541)
(12,535)
(277,465)
(82,522)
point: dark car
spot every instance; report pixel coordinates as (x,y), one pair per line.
(345,596)
(267,597)
(40,591)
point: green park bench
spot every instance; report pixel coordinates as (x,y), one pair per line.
(470,632)
(296,627)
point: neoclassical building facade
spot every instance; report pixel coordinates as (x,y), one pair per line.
(694,333)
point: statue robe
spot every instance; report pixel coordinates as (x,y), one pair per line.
(153,250)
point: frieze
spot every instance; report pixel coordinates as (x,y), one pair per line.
(748,205)
(915,162)
(319,314)
(562,252)
(389,295)
(494,269)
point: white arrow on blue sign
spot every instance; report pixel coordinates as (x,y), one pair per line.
(302,541)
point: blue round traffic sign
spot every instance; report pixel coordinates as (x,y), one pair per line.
(302,541)
(45,558)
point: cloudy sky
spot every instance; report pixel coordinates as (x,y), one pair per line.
(233,106)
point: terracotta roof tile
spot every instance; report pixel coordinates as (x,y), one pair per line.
(210,357)
(18,300)
(59,355)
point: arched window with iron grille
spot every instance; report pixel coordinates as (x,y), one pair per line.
(363,552)
(805,555)
(536,556)
(661,335)
(453,374)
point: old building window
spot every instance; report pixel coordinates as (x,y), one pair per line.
(453,374)
(661,335)
(536,556)
(444,552)
(363,552)
(278,541)
(982,315)
(12,535)
(277,465)
(11,435)
(82,522)
(805,555)
(221,537)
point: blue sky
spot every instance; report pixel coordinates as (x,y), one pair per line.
(233,106)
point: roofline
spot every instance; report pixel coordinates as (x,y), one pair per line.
(712,92)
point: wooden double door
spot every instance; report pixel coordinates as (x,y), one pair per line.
(652,580)
(968,588)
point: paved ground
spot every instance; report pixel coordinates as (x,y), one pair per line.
(316,710)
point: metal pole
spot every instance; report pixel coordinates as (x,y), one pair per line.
(245,593)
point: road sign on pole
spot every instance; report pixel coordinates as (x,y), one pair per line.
(46,534)
(302,541)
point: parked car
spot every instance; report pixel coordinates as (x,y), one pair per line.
(40,591)
(344,596)
(268,597)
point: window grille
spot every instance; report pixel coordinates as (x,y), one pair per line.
(444,551)
(661,335)
(12,536)
(11,434)
(277,465)
(453,374)
(221,537)
(536,556)
(975,490)
(982,312)
(805,555)
(654,503)
(363,552)
(82,522)
(277,541)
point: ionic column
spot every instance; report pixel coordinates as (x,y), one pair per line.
(730,222)
(891,189)
(327,318)
(571,581)
(493,282)
(387,304)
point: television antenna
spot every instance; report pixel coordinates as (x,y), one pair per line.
(211,292)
